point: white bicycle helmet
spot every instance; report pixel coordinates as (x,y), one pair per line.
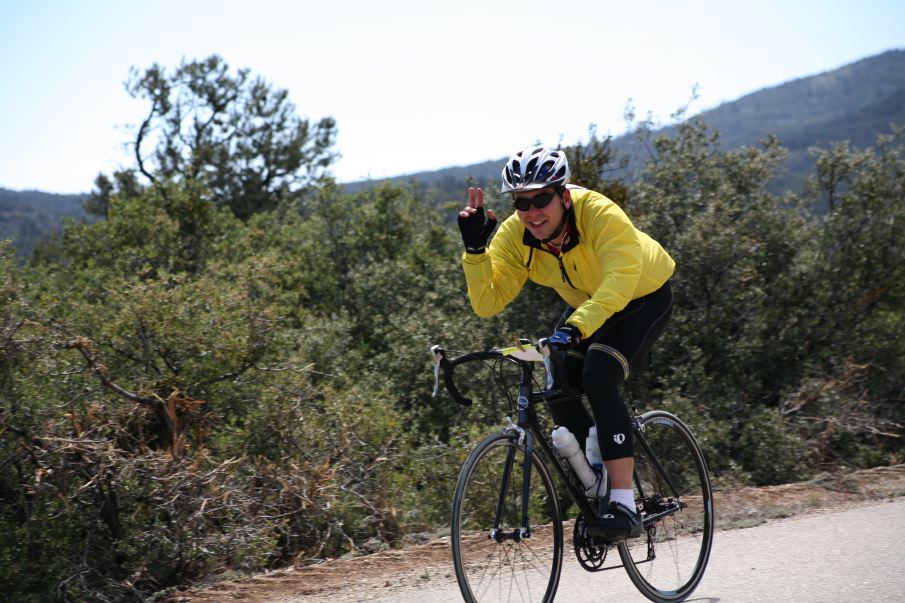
(533,168)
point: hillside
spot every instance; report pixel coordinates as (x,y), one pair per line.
(829,98)
(29,216)
(855,103)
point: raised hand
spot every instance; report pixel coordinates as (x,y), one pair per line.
(473,226)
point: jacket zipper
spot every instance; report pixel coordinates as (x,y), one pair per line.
(562,267)
(563,273)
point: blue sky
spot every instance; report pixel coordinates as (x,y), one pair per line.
(414,85)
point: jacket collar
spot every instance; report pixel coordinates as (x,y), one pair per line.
(531,241)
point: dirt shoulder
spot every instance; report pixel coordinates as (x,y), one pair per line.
(381,574)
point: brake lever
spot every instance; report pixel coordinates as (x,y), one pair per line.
(437,353)
(543,346)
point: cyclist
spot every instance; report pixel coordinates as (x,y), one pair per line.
(615,280)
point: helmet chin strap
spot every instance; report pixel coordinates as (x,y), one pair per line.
(559,229)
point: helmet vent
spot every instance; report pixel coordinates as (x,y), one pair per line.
(545,170)
(534,168)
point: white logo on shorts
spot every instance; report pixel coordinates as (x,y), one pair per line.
(619,438)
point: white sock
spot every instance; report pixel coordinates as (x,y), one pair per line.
(623,497)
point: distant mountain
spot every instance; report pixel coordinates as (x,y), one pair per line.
(29,216)
(855,103)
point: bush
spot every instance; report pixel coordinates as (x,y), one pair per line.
(184,393)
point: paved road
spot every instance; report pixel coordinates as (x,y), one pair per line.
(855,555)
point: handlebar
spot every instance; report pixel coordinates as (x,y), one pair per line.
(524,351)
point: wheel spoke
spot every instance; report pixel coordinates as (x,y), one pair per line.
(667,562)
(513,568)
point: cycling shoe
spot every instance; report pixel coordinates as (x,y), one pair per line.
(619,522)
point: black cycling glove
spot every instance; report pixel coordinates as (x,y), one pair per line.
(475,231)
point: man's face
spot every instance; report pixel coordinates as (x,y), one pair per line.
(542,222)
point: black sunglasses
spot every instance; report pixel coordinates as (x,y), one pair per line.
(540,201)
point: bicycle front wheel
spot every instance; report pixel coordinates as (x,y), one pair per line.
(495,560)
(672,492)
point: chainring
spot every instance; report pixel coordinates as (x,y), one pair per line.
(590,555)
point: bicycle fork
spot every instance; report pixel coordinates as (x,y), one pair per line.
(524,531)
(526,440)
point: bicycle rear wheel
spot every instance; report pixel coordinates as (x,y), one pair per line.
(672,491)
(494,561)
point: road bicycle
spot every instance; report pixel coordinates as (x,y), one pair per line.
(508,529)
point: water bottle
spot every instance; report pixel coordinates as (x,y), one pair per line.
(592,452)
(567,446)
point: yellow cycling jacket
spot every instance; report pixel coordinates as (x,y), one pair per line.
(606,264)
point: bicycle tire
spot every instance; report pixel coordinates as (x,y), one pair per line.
(667,562)
(505,569)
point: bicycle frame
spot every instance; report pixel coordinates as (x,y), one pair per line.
(527,427)
(667,455)
(529,431)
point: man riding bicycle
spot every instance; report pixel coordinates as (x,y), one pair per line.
(615,280)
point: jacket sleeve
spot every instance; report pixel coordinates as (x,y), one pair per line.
(617,246)
(495,277)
